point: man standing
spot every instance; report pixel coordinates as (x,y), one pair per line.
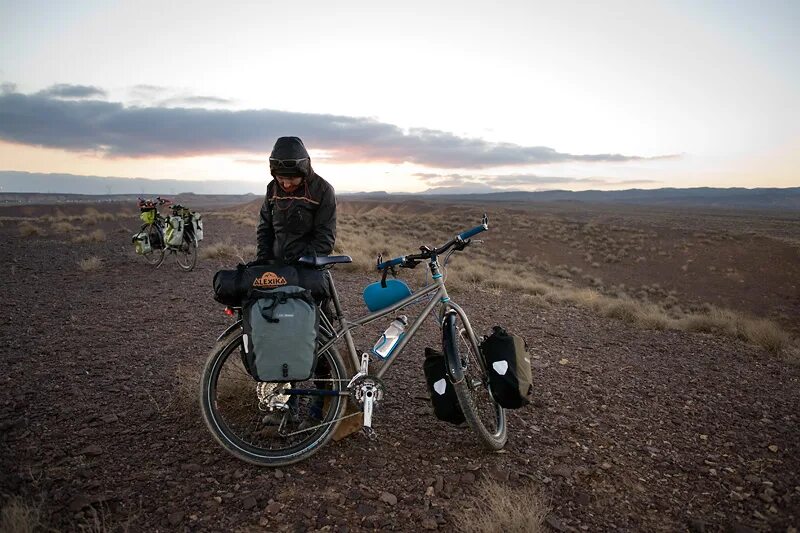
(298,217)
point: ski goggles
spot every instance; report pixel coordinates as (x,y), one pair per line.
(287,163)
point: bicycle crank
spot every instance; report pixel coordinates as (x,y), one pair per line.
(367,391)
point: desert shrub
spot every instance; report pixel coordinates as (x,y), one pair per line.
(500,508)
(90,264)
(26,229)
(63,227)
(97,235)
(18,517)
(227,250)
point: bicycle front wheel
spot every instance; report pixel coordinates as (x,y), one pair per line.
(234,407)
(483,414)
(186,255)
(156,254)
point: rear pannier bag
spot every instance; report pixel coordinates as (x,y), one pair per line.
(509,366)
(173,231)
(443,395)
(197,226)
(141,243)
(280,334)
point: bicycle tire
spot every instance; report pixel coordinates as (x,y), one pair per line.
(229,346)
(156,255)
(187,252)
(481,412)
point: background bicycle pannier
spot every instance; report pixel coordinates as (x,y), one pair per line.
(280,334)
(509,364)
(141,243)
(173,231)
(197,225)
(443,395)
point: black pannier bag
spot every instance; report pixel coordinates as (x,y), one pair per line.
(509,367)
(443,395)
(231,287)
(279,333)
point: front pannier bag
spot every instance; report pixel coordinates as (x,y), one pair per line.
(510,378)
(280,333)
(443,395)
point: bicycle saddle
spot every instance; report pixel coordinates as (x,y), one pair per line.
(324,260)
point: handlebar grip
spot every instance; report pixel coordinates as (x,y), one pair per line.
(391,263)
(471,232)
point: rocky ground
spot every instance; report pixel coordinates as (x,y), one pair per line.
(630,429)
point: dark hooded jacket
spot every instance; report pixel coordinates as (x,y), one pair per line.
(299,223)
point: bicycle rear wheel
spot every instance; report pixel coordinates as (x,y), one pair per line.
(481,411)
(186,255)
(156,254)
(232,410)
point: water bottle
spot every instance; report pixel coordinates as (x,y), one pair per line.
(383,348)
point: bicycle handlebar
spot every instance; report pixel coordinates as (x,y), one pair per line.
(427,253)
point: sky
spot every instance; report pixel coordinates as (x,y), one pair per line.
(407,96)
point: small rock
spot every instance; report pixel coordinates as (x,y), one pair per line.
(191,467)
(79,502)
(273,508)
(562,470)
(696,525)
(175,518)
(249,502)
(563,361)
(279,474)
(605,466)
(92,450)
(109,419)
(430,524)
(555,523)
(429,492)
(439,484)
(582,498)
(388,497)
(772,448)
(467,477)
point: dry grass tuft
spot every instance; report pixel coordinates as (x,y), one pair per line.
(97,235)
(90,264)
(497,508)
(187,385)
(227,250)
(63,227)
(18,517)
(26,229)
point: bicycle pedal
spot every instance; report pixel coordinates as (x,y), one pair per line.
(370,433)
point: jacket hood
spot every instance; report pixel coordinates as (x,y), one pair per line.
(289,148)
(292,148)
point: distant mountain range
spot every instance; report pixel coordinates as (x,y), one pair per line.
(758,198)
(736,197)
(15,181)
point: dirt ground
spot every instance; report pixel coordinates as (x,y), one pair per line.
(629,430)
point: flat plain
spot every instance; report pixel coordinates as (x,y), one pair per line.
(663,343)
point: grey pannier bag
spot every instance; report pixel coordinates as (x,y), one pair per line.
(280,334)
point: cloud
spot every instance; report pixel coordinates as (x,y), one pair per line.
(64,90)
(115,130)
(510,181)
(195,101)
